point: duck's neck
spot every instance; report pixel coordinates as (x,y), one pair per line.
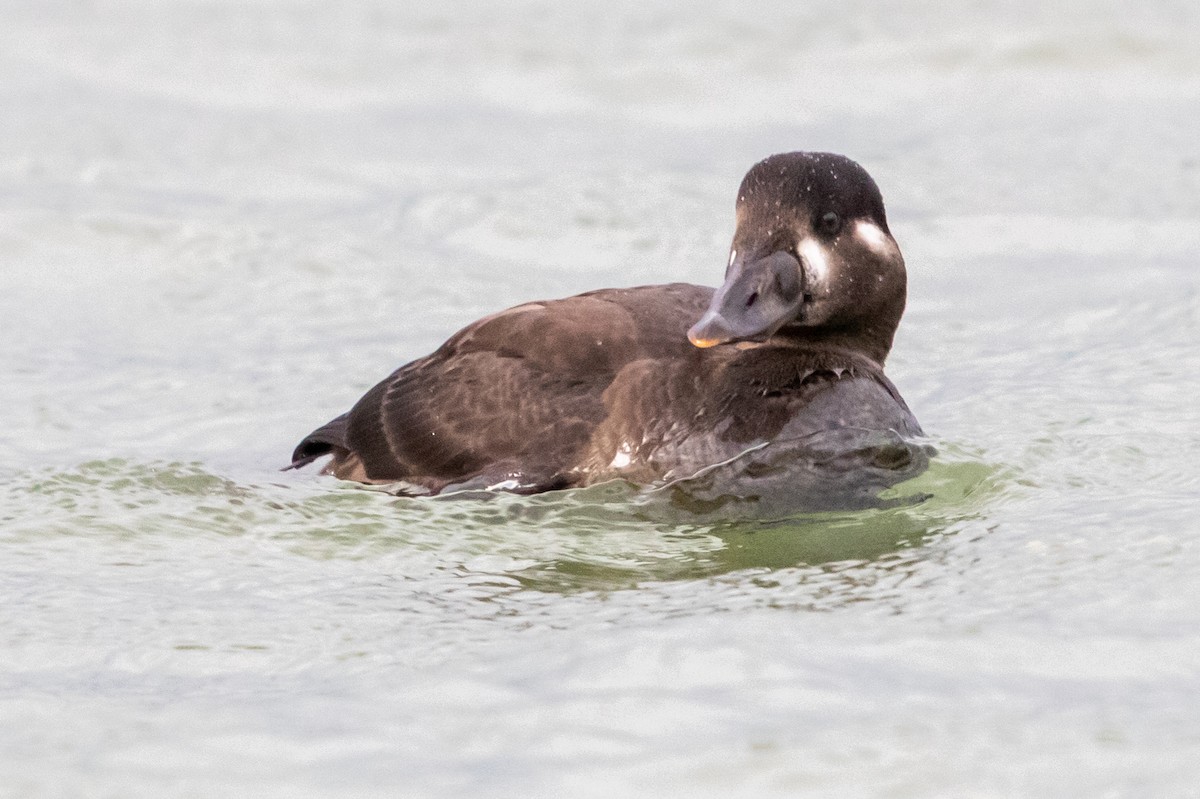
(873,345)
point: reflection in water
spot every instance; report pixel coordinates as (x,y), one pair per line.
(616,535)
(606,537)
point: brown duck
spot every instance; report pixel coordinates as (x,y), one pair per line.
(656,383)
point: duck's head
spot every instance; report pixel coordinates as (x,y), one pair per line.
(812,259)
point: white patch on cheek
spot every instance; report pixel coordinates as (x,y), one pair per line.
(873,236)
(732,256)
(815,259)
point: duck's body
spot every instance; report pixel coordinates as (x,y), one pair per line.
(607,384)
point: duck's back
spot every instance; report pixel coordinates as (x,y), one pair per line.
(514,398)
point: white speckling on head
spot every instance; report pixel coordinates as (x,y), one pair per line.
(873,236)
(815,258)
(623,457)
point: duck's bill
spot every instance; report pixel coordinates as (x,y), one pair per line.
(758,298)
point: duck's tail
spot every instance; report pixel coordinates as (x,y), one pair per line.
(320,442)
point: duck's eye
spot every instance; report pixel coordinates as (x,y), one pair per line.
(830,223)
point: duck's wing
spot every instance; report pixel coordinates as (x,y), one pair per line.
(513,398)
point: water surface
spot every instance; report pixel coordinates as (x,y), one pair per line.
(221,222)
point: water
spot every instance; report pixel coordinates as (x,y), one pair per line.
(221,222)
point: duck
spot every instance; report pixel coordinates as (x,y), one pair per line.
(659,383)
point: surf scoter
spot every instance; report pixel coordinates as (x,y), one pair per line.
(659,383)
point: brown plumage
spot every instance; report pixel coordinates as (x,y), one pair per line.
(607,384)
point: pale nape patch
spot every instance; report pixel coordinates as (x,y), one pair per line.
(815,259)
(873,236)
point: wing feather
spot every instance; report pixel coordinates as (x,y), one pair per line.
(517,392)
